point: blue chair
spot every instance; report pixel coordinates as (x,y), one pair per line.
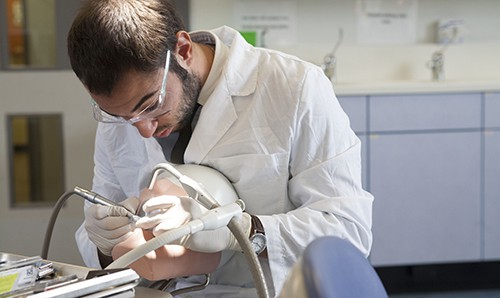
(332,267)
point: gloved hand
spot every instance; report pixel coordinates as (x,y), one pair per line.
(108,226)
(166,212)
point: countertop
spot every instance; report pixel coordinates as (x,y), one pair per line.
(397,69)
(415,87)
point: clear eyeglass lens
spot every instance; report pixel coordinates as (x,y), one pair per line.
(151,111)
(104,117)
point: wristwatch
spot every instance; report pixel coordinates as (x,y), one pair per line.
(257,236)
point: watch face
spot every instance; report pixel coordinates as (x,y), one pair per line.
(259,242)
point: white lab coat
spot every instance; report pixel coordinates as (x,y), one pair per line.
(272,125)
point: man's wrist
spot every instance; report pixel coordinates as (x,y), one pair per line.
(258,236)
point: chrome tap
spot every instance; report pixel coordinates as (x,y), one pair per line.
(437,60)
(437,66)
(329,65)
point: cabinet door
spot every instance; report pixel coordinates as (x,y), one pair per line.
(356,108)
(364,161)
(492,109)
(492,177)
(427,197)
(425,112)
(492,195)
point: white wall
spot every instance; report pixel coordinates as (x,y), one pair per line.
(318,22)
(22,229)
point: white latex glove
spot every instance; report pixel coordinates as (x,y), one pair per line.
(165,212)
(108,226)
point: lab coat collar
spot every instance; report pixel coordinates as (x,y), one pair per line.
(232,58)
(236,78)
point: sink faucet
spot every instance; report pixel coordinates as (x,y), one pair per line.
(437,66)
(437,60)
(329,65)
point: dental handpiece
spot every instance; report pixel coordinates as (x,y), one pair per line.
(98,199)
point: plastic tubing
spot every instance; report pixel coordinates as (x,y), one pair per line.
(53,217)
(251,257)
(211,220)
(155,243)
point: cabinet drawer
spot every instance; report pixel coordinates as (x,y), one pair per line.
(492,109)
(491,195)
(355,108)
(425,112)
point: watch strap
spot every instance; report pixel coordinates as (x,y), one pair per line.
(257,226)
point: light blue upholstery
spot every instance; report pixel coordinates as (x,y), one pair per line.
(333,267)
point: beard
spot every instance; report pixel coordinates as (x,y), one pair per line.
(191,88)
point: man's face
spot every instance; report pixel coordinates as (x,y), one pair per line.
(140,93)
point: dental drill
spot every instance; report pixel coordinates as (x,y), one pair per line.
(98,199)
(87,195)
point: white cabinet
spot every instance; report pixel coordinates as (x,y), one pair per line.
(356,108)
(434,174)
(425,174)
(427,197)
(492,177)
(424,112)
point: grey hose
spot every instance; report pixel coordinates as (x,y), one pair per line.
(152,244)
(53,217)
(251,257)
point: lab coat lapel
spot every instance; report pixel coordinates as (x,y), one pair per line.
(218,113)
(216,117)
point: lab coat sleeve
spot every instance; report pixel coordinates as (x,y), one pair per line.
(105,184)
(123,162)
(325,181)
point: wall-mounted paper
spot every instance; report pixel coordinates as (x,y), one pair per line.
(386,21)
(274,21)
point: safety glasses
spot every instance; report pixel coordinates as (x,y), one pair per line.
(152,111)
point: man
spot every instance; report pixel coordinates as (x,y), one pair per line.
(267,121)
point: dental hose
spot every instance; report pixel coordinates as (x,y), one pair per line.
(155,243)
(83,193)
(52,221)
(251,257)
(53,217)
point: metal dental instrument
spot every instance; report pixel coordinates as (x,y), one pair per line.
(98,199)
